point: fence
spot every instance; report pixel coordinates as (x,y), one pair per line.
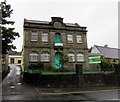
(98,70)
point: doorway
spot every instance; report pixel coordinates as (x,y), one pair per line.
(58,60)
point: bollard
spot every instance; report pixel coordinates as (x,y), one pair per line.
(79,70)
(117,72)
(79,73)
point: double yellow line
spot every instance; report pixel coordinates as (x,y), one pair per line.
(78,92)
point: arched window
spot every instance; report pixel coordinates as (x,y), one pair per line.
(34,56)
(80,57)
(71,57)
(45,57)
(58,38)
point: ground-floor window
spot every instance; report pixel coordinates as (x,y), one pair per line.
(71,57)
(12,60)
(34,57)
(80,57)
(45,57)
(19,61)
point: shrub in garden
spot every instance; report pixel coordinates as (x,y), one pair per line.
(48,68)
(36,66)
(106,65)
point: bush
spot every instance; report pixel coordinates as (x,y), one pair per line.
(60,70)
(35,67)
(48,68)
(106,65)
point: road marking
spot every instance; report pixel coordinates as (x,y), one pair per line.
(12,87)
(78,92)
(37,90)
(114,99)
(19,83)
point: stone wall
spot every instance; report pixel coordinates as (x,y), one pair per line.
(73,80)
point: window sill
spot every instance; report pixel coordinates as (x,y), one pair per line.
(72,62)
(79,42)
(80,61)
(33,61)
(71,43)
(44,41)
(34,40)
(45,61)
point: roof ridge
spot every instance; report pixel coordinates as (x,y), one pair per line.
(36,20)
(106,47)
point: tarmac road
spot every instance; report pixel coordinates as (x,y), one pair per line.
(15,89)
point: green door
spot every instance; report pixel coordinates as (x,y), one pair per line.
(57,60)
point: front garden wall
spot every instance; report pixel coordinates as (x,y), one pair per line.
(73,80)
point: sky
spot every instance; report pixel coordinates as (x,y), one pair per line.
(99,16)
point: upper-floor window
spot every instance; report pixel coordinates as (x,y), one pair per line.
(80,57)
(58,39)
(45,57)
(71,57)
(45,37)
(70,38)
(79,39)
(34,36)
(34,57)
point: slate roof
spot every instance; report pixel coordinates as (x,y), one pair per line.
(36,21)
(47,23)
(109,52)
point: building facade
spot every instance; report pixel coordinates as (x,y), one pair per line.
(15,59)
(45,42)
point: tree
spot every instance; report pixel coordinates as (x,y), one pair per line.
(8,33)
(63,60)
(119,61)
(89,50)
(105,64)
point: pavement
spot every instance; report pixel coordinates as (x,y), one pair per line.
(55,91)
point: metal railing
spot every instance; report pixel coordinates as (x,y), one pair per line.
(98,70)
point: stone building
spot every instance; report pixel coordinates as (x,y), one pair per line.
(45,41)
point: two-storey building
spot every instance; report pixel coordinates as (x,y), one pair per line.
(45,41)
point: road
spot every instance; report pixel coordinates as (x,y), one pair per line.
(15,89)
